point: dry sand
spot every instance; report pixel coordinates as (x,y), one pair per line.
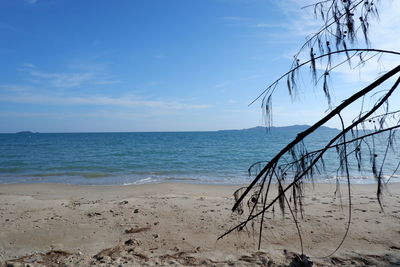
(178,224)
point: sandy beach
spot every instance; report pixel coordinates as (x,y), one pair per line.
(178,225)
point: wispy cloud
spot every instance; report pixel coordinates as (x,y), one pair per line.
(62,79)
(301,21)
(31,1)
(28,65)
(41,92)
(107,82)
(270,25)
(65,79)
(131,101)
(384,34)
(234,18)
(252,23)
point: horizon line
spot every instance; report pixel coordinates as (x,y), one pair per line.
(161,131)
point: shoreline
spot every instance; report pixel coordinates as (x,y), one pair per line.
(194,181)
(179,223)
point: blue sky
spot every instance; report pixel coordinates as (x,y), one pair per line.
(152,65)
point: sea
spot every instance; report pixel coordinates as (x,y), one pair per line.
(214,157)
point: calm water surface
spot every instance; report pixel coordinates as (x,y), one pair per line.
(125,158)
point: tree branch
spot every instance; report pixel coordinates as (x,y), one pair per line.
(307,132)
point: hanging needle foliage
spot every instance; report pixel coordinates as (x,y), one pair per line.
(367,141)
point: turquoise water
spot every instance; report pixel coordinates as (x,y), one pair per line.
(126,158)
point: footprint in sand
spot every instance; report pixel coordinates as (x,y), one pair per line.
(362,210)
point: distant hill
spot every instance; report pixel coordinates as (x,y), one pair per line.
(25,132)
(291,128)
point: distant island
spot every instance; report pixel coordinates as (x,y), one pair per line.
(25,132)
(291,128)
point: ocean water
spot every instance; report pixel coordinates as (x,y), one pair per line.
(220,157)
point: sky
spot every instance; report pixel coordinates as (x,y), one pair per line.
(156,65)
